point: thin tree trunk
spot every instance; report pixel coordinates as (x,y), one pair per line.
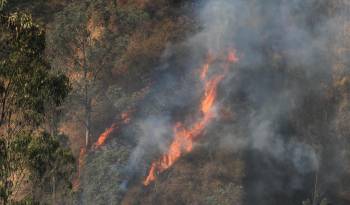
(87,100)
(53,190)
(87,124)
(87,105)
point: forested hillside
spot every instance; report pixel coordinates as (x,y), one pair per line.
(175,102)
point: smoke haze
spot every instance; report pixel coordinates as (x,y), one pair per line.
(284,51)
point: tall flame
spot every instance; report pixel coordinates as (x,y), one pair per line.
(184,136)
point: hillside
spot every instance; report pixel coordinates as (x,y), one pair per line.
(199,101)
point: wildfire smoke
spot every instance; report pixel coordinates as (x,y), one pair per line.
(185,135)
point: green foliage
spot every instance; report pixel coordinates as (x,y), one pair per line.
(130,18)
(102,168)
(26,83)
(69,31)
(41,157)
(47,160)
(27,89)
(45,156)
(12,164)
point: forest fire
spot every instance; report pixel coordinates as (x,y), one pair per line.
(124,119)
(184,135)
(205,67)
(103,137)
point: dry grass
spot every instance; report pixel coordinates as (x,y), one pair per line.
(196,179)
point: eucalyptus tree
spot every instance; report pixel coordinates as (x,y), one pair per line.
(28,89)
(79,55)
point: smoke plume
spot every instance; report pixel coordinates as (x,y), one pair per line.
(284,54)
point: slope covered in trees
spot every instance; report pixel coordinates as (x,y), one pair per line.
(104,80)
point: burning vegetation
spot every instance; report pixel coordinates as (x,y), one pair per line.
(185,135)
(123,120)
(175,102)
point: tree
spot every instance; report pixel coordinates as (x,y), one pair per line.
(76,51)
(89,40)
(27,90)
(50,164)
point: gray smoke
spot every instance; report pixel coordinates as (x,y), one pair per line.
(152,133)
(284,55)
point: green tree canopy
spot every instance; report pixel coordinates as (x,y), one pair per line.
(29,90)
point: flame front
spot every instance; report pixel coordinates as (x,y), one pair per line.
(103,137)
(124,119)
(184,136)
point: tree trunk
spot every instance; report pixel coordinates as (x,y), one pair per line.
(53,190)
(87,124)
(87,105)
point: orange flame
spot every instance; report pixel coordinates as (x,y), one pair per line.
(185,137)
(124,118)
(205,67)
(103,137)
